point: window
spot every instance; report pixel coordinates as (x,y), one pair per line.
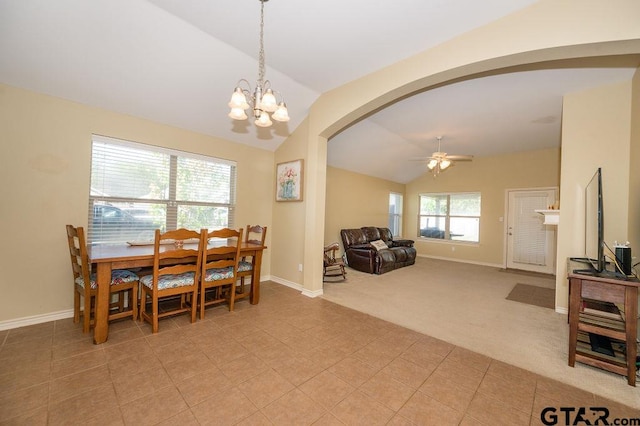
(450,216)
(395,214)
(136,189)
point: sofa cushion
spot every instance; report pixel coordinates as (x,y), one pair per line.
(353,237)
(371,233)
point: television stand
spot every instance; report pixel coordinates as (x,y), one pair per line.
(620,328)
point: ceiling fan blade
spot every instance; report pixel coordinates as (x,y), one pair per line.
(423,159)
(460,157)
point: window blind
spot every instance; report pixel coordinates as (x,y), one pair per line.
(138,188)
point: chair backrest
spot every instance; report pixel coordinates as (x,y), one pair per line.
(220,250)
(182,246)
(78,253)
(255,234)
(330,253)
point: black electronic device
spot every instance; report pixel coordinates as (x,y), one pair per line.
(594,228)
(601,344)
(623,259)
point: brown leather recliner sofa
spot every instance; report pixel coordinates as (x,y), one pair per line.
(363,256)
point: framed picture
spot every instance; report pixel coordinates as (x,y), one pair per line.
(289,180)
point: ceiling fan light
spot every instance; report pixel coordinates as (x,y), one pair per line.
(432,164)
(444,164)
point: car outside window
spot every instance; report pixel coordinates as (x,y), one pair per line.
(137,188)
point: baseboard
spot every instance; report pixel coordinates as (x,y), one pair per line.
(297,286)
(287,283)
(450,259)
(561,310)
(35,319)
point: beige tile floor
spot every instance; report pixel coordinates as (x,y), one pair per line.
(290,360)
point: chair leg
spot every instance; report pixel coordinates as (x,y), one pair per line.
(203,290)
(86,318)
(194,305)
(154,313)
(76,306)
(232,296)
(143,302)
(133,301)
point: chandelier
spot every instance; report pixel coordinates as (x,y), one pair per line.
(263,99)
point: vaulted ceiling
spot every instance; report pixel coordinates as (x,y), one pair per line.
(177,62)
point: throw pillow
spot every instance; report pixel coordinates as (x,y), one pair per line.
(379,245)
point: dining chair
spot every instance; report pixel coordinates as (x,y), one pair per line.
(122,281)
(255,234)
(220,257)
(176,272)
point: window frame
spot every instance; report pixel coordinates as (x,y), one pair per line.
(396,217)
(171,202)
(447,216)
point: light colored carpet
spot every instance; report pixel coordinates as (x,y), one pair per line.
(466,305)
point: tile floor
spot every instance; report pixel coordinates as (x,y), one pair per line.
(290,360)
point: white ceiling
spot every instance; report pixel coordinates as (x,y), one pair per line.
(177,61)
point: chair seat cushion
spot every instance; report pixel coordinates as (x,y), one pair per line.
(169,281)
(244,266)
(118,276)
(216,274)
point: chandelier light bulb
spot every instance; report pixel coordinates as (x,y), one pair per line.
(238,114)
(238,100)
(432,163)
(281,114)
(268,101)
(444,164)
(263,120)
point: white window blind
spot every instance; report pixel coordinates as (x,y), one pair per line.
(395,214)
(137,188)
(529,238)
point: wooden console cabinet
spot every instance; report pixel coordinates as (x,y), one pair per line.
(623,331)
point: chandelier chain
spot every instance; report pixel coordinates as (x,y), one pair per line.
(261,53)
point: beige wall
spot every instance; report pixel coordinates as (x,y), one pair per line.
(634,169)
(549,30)
(491,176)
(355,200)
(44,169)
(596,132)
(45,145)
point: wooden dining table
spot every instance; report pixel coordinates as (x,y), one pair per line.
(108,257)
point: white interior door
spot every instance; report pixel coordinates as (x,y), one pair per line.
(531,246)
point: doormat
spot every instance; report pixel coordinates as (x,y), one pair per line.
(533,295)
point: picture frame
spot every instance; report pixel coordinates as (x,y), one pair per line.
(290,180)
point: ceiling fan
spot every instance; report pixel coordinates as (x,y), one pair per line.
(440,161)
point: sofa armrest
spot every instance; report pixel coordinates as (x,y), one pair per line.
(362,259)
(403,243)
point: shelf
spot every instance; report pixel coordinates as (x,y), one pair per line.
(551,217)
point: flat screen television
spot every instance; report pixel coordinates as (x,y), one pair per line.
(594,227)
(594,223)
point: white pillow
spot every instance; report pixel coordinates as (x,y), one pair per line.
(379,245)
